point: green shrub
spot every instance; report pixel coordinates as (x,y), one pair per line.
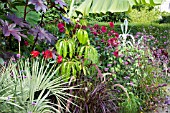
(159,31)
(137,27)
(165,18)
(144,15)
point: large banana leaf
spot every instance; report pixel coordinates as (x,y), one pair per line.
(103,6)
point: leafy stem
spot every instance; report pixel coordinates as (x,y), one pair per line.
(36,38)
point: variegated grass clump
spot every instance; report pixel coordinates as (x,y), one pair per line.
(33,87)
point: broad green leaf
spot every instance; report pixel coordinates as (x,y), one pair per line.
(105,6)
(68,69)
(32,17)
(63,68)
(101,6)
(71,49)
(80,35)
(84,71)
(81,51)
(84,8)
(86,52)
(64,49)
(85,37)
(59,47)
(74,70)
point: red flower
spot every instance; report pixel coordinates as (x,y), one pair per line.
(104,30)
(62,30)
(116,53)
(113,42)
(111,24)
(59,59)
(47,54)
(26,43)
(61,27)
(35,53)
(96,26)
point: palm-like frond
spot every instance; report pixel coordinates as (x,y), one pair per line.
(31,83)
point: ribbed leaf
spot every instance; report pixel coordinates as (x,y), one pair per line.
(86,52)
(59,47)
(81,51)
(64,49)
(85,37)
(98,6)
(84,8)
(119,6)
(71,49)
(74,70)
(68,69)
(106,6)
(63,68)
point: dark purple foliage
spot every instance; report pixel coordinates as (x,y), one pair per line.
(39,5)
(42,34)
(98,100)
(10,29)
(167,101)
(18,21)
(60,2)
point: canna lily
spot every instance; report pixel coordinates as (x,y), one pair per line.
(35,54)
(47,54)
(59,59)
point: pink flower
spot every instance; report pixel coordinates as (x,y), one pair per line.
(104,29)
(95,33)
(113,42)
(96,26)
(126,63)
(111,24)
(106,69)
(116,53)
(116,34)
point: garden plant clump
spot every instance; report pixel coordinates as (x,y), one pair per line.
(51,62)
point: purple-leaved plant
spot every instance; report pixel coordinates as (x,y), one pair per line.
(39,5)
(10,29)
(18,21)
(42,34)
(60,2)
